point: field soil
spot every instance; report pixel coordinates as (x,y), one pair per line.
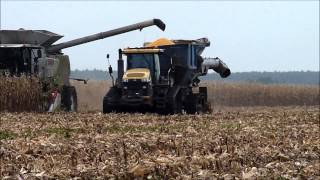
(278,142)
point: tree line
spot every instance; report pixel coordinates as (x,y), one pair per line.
(291,77)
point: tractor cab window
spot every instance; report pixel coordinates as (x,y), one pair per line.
(140,61)
(149,61)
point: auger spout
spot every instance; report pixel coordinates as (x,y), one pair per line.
(217,65)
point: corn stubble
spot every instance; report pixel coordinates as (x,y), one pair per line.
(20,94)
(236,143)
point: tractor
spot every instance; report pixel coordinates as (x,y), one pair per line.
(163,77)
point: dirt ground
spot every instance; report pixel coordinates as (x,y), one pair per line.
(230,143)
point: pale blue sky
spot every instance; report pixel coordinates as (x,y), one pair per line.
(247,35)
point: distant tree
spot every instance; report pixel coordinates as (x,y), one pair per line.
(276,77)
(265,80)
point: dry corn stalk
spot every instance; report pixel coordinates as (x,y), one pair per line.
(219,94)
(253,94)
(20,94)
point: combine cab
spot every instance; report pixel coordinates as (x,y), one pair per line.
(163,77)
(33,53)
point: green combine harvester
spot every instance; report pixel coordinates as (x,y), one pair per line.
(33,53)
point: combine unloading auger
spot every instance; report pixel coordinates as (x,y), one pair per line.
(102,35)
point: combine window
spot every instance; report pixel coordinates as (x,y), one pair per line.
(15,60)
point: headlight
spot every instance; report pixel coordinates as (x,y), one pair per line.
(125,87)
(144,87)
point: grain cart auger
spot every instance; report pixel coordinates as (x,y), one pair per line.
(163,77)
(33,52)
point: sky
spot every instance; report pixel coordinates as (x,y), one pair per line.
(247,35)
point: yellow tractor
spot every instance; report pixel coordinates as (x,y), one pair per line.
(162,77)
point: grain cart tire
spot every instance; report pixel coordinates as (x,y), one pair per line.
(69,100)
(192,105)
(171,107)
(174,107)
(203,98)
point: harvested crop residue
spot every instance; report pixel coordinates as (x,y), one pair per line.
(247,143)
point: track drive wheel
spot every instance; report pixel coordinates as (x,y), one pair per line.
(110,100)
(174,106)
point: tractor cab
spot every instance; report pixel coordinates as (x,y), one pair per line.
(142,65)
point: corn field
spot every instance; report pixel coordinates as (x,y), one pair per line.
(24,94)
(219,94)
(253,94)
(20,94)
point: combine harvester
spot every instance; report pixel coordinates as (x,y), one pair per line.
(32,53)
(163,77)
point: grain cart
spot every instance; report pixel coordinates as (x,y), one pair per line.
(163,77)
(33,53)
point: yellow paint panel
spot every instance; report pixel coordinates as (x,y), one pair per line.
(138,73)
(135,75)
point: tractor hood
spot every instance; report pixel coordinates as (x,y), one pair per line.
(138,73)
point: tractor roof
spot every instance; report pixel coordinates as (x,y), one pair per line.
(141,50)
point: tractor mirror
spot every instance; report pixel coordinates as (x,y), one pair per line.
(108,56)
(110,70)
